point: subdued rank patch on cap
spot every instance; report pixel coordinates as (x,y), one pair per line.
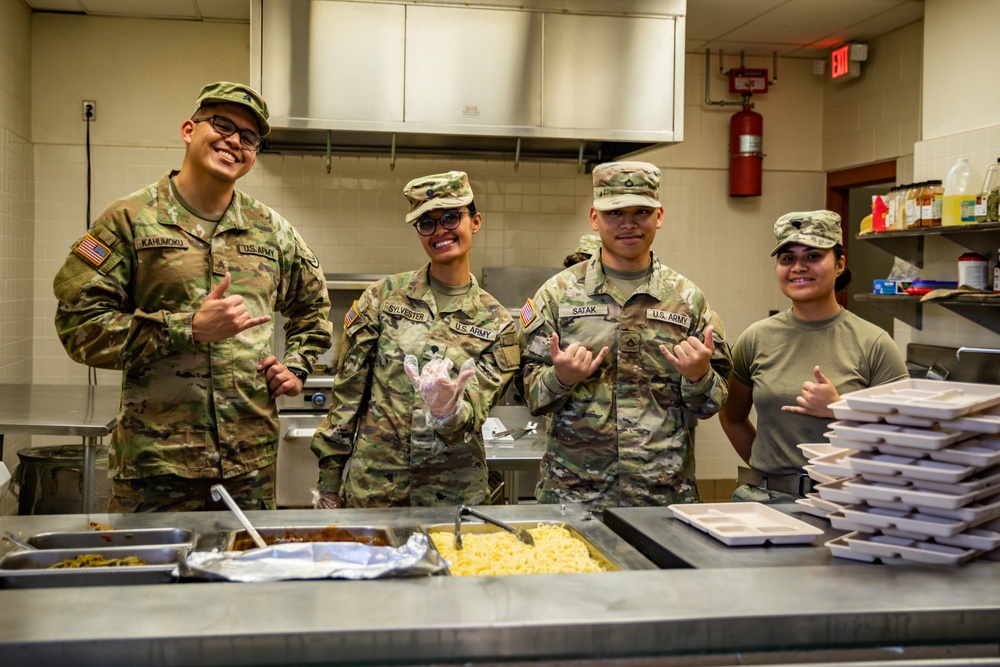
(816,229)
(528,313)
(352,314)
(92,250)
(621,184)
(437,191)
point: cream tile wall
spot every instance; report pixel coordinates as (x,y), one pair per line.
(876,117)
(16,211)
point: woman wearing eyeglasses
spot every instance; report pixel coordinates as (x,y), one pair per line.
(424,357)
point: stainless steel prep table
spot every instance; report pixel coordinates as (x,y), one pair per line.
(722,612)
(670,542)
(522,455)
(88,411)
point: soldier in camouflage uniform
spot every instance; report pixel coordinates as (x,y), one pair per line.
(615,350)
(384,443)
(175,285)
(586,247)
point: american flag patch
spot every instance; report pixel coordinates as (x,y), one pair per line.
(352,314)
(527,313)
(93,250)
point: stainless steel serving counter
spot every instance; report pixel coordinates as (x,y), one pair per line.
(670,542)
(522,455)
(54,409)
(628,614)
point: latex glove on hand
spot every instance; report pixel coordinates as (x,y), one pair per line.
(327,500)
(440,393)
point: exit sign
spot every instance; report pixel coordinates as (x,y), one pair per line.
(842,66)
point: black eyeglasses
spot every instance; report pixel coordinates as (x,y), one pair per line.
(227,128)
(450,220)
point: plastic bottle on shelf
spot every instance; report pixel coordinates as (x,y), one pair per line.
(960,190)
(987,201)
(930,204)
(996,274)
(912,203)
(890,214)
(900,219)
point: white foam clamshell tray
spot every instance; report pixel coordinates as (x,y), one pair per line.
(979,453)
(982,538)
(736,524)
(902,436)
(809,507)
(889,546)
(982,509)
(836,492)
(930,399)
(907,467)
(818,477)
(842,411)
(813,450)
(835,465)
(867,490)
(926,525)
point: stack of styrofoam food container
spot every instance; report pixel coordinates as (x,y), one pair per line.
(827,465)
(927,472)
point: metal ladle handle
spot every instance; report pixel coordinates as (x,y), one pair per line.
(219,492)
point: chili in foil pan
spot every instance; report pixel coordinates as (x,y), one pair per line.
(316,560)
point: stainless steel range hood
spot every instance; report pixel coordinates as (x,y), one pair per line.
(583,80)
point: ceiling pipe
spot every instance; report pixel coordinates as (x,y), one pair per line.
(708,96)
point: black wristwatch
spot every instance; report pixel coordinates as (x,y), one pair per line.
(300,374)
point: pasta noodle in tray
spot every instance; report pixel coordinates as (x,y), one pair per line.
(555,551)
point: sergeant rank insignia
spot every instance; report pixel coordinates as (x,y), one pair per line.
(528,313)
(92,250)
(352,314)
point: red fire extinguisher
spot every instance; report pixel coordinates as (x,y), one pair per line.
(746,130)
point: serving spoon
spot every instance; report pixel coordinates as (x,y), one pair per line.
(219,492)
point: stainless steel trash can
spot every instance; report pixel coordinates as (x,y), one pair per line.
(49,480)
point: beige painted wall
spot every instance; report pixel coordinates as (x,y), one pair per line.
(959,93)
(144,75)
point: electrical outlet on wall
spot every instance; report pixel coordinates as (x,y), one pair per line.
(89,110)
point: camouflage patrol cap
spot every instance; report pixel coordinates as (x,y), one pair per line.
(430,193)
(224,92)
(589,244)
(816,229)
(621,184)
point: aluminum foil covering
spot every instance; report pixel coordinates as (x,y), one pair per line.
(316,560)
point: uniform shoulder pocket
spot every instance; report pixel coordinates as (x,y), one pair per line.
(508,353)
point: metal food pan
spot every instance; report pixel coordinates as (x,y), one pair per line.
(469,528)
(91,539)
(29,569)
(376,536)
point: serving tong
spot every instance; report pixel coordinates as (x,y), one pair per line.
(462,510)
(516,432)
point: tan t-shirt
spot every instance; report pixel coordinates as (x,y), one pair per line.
(775,356)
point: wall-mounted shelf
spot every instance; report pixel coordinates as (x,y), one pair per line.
(908,244)
(909,309)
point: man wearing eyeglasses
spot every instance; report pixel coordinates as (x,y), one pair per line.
(426,354)
(174,285)
(617,350)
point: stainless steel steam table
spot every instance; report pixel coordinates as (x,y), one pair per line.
(522,455)
(791,614)
(88,411)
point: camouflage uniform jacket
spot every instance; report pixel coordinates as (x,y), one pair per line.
(189,409)
(619,438)
(377,418)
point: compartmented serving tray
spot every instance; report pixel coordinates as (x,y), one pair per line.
(114,538)
(30,569)
(743,523)
(930,399)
